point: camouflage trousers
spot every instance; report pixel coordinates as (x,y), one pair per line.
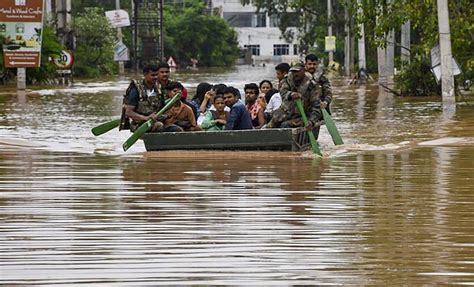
(282,119)
(285,119)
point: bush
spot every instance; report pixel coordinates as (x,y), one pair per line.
(416,79)
(95,40)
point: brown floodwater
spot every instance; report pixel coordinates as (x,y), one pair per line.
(394,205)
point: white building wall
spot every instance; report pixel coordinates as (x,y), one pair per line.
(266,37)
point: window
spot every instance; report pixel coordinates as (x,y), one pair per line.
(295,49)
(279,50)
(290,19)
(260,20)
(245,19)
(255,49)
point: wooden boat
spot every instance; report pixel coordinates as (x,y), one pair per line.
(247,140)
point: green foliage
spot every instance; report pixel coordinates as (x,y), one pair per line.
(95,40)
(417,80)
(191,34)
(50,47)
(424,23)
(311,23)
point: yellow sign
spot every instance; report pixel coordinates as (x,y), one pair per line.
(330,44)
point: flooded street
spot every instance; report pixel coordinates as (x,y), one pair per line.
(393,206)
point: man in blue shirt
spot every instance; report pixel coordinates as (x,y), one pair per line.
(239,117)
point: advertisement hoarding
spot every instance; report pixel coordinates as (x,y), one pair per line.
(21,24)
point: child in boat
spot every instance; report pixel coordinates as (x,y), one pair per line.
(181,115)
(215,120)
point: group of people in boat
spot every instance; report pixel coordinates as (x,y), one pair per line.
(221,107)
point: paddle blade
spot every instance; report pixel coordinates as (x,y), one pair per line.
(312,139)
(137,134)
(147,125)
(105,127)
(331,126)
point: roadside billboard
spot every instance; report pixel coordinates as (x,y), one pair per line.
(21,24)
(118,18)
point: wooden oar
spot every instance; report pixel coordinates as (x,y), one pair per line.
(148,124)
(331,126)
(108,126)
(312,139)
(105,127)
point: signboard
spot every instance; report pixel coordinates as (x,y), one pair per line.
(121,53)
(171,62)
(435,55)
(64,61)
(330,44)
(21,23)
(118,18)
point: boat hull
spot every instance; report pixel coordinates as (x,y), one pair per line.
(266,139)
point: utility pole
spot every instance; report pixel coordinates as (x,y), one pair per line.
(331,55)
(405,42)
(347,45)
(162,36)
(447,78)
(135,7)
(63,10)
(390,50)
(120,37)
(361,43)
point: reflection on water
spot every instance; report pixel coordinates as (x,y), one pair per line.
(394,206)
(369,219)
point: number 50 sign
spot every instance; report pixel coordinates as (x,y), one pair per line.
(65,60)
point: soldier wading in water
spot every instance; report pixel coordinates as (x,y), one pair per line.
(299,85)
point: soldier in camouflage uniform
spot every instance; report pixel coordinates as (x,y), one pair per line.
(143,99)
(299,84)
(312,66)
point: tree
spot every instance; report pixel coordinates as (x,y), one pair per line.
(189,33)
(311,21)
(95,40)
(424,23)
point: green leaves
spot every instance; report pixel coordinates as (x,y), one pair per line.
(95,43)
(191,34)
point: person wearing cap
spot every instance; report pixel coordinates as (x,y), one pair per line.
(312,64)
(298,85)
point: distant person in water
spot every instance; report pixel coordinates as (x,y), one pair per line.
(239,117)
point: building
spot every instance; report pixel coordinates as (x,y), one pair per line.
(258,33)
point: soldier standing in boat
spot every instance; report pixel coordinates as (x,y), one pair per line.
(143,99)
(298,85)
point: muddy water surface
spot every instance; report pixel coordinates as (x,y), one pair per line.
(394,205)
